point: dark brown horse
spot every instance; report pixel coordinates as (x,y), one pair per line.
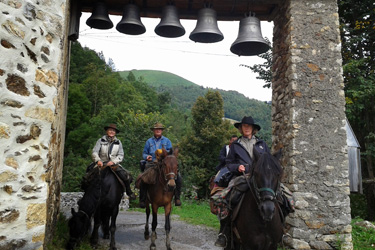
(259,225)
(161,193)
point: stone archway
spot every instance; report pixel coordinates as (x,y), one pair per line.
(307,114)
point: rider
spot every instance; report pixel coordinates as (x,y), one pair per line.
(158,141)
(224,152)
(239,161)
(108,151)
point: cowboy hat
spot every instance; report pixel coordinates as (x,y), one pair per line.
(112,126)
(157,125)
(247,120)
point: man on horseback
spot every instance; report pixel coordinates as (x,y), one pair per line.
(108,151)
(158,141)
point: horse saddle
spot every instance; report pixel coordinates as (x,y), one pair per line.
(148,176)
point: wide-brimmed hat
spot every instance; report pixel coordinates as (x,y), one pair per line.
(247,120)
(112,126)
(157,125)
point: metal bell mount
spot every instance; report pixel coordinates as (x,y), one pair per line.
(170,25)
(131,21)
(99,18)
(207,30)
(250,41)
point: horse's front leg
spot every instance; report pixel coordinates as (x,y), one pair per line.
(153,226)
(167,225)
(147,231)
(95,234)
(112,229)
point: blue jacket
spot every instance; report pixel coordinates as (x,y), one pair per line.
(239,156)
(153,144)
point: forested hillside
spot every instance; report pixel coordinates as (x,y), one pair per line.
(98,96)
(184,93)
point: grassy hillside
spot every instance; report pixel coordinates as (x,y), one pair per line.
(156,78)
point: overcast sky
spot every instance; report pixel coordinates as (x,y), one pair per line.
(210,65)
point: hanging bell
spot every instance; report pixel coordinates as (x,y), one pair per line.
(206,30)
(249,41)
(131,21)
(99,18)
(170,25)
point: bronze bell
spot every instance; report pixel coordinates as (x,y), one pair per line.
(249,41)
(131,21)
(207,30)
(170,25)
(99,18)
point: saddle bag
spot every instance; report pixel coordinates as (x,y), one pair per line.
(148,177)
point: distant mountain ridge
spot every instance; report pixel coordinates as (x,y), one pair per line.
(184,93)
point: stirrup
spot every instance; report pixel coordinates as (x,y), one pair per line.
(221,244)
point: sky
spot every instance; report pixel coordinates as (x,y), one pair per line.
(209,65)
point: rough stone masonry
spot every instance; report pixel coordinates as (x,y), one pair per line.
(33,88)
(307,117)
(308,120)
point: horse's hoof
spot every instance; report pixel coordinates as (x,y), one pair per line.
(152,247)
(147,236)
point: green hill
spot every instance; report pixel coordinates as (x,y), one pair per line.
(156,78)
(184,94)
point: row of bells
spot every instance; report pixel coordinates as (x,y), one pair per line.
(248,43)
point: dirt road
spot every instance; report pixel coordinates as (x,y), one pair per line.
(130,228)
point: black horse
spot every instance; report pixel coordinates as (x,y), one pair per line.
(101,200)
(259,222)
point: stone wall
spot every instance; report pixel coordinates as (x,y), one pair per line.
(33,94)
(308,120)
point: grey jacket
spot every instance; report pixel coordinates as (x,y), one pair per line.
(105,151)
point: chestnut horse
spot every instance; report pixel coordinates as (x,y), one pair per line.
(259,225)
(161,193)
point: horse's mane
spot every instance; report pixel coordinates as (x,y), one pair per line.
(267,164)
(90,199)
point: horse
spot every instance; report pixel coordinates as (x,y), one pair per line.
(161,193)
(101,200)
(259,222)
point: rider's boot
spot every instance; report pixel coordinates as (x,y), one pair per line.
(222,238)
(177,191)
(126,180)
(142,195)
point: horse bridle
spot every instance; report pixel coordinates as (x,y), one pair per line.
(172,174)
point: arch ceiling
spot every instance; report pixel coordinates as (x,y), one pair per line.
(227,10)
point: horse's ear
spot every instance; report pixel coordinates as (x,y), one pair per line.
(256,154)
(73,211)
(278,154)
(175,151)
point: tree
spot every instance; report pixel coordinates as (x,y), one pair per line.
(264,70)
(201,148)
(358,51)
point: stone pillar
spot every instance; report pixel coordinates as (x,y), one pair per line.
(308,121)
(34,61)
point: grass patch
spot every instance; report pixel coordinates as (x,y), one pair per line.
(363,238)
(196,212)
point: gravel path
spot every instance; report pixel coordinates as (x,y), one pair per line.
(130,228)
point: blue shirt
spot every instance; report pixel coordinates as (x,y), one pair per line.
(153,144)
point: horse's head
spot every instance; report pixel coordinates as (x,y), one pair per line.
(266,177)
(79,225)
(169,167)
